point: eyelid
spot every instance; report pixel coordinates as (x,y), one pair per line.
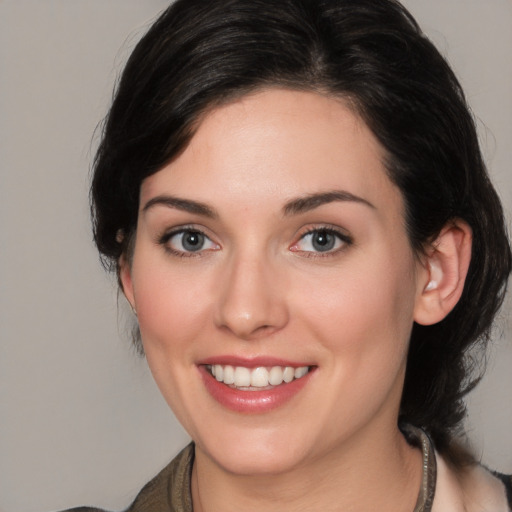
(345,239)
(164,238)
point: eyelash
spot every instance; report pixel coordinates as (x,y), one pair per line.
(167,236)
(341,237)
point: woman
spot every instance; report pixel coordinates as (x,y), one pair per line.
(294,201)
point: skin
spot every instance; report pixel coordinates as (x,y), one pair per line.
(258,287)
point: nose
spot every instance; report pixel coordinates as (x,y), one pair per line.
(251,301)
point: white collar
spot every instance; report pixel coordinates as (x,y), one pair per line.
(476,491)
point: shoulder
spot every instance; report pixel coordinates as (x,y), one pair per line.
(475,489)
(507,482)
(168,491)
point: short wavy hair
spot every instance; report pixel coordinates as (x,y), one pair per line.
(203,53)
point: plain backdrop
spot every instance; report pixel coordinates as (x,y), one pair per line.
(81,421)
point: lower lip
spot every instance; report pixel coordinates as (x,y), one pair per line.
(252,401)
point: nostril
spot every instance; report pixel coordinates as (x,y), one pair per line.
(249,332)
(249,302)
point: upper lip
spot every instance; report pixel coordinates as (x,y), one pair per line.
(251,362)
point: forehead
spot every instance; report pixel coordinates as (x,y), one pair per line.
(277,144)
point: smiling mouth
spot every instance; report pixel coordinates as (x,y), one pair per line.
(256,379)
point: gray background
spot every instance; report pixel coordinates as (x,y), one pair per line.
(81,421)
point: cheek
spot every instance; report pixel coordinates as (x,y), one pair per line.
(172,312)
(171,305)
(365,309)
(363,320)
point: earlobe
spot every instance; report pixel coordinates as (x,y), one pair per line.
(445,269)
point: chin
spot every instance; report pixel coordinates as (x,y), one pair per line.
(257,462)
(258,453)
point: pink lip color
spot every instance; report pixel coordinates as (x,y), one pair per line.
(251,362)
(252,401)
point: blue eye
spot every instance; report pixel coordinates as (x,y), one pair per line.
(321,241)
(188,241)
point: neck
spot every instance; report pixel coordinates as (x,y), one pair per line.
(383,474)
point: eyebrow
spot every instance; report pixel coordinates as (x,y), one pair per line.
(293,207)
(185,205)
(312,201)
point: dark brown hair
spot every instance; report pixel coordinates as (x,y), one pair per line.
(201,53)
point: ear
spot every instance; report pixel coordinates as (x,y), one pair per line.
(445,268)
(125,279)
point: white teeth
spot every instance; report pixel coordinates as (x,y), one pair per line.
(275,376)
(229,375)
(288,374)
(300,372)
(261,377)
(242,377)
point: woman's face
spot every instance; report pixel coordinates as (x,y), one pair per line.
(274,248)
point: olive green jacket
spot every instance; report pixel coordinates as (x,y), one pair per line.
(441,491)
